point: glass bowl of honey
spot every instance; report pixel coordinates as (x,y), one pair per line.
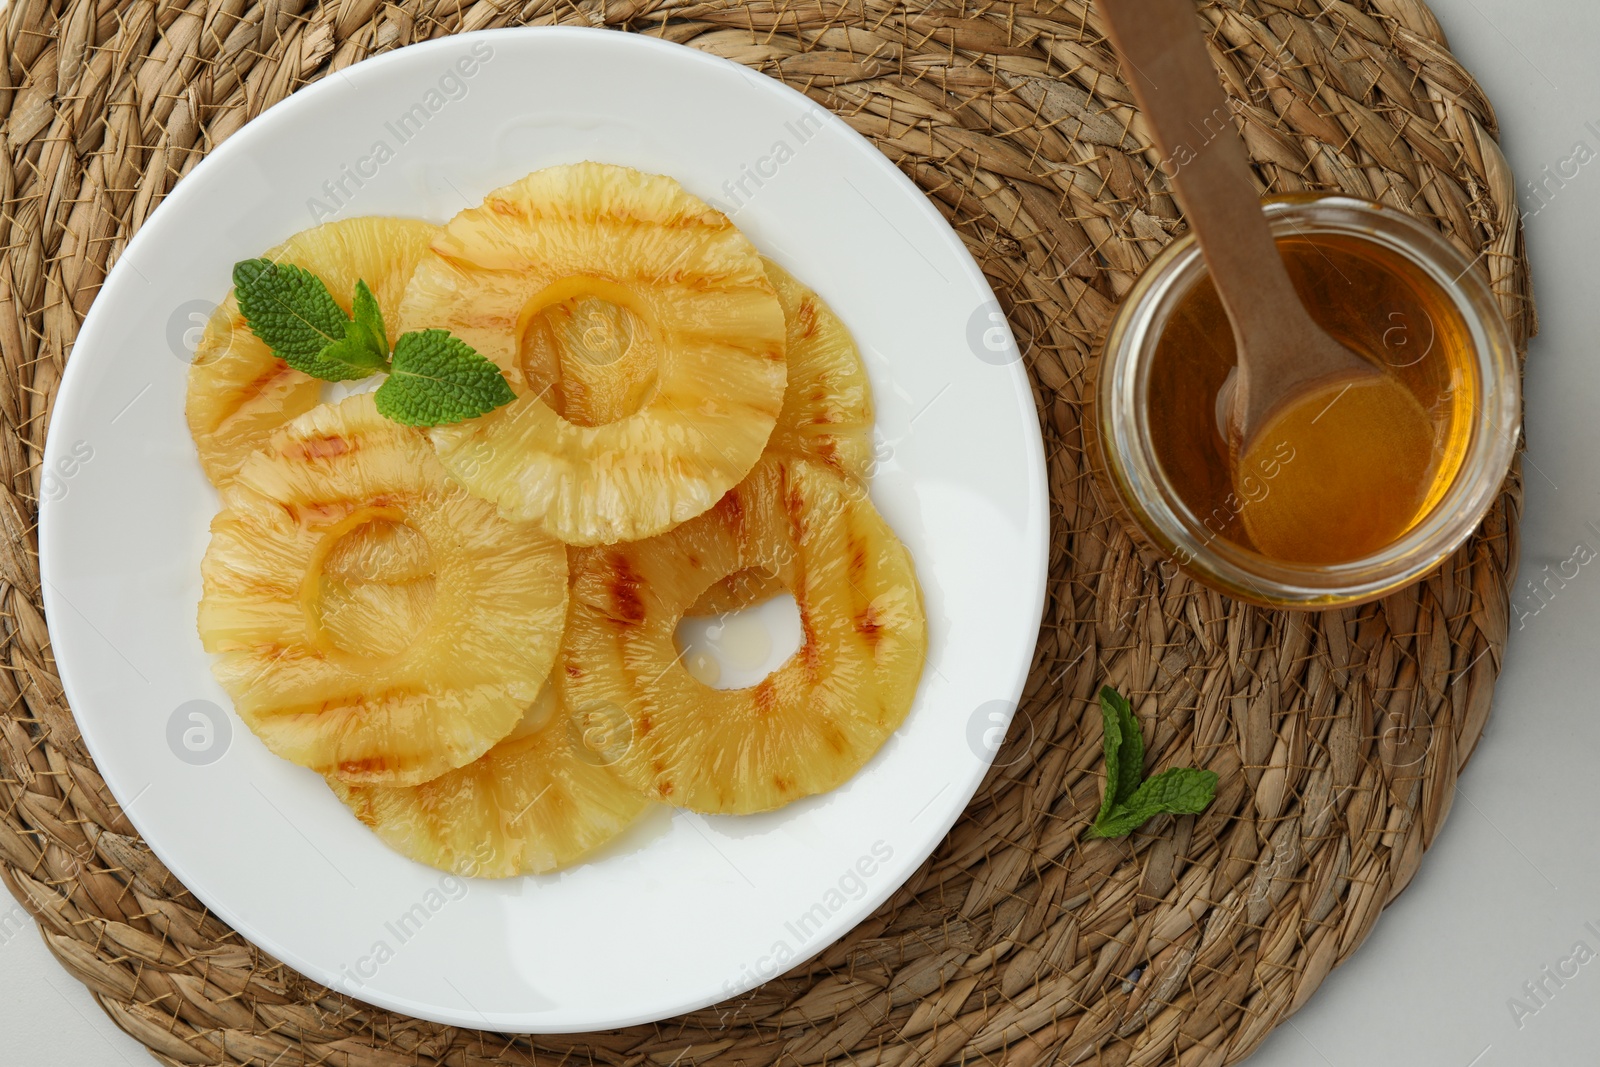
(1388,287)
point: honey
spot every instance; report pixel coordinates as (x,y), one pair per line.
(1364,463)
(1267,527)
(1339,474)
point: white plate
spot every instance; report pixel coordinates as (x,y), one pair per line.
(685,910)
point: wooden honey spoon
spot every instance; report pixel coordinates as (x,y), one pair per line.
(1294,384)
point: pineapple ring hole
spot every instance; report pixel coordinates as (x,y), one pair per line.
(370,590)
(588,349)
(739,649)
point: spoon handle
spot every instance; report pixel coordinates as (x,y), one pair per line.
(1164,56)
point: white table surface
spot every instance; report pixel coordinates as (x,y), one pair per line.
(1514,879)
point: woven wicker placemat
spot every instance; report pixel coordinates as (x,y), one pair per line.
(1338,736)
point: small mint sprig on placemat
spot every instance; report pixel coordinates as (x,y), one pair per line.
(434,378)
(1128,802)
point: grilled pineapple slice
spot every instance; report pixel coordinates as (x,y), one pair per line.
(826,416)
(642,337)
(373,620)
(535,802)
(814,721)
(239,392)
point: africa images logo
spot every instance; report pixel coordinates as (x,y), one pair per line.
(753,176)
(786,951)
(451,86)
(199,733)
(409,923)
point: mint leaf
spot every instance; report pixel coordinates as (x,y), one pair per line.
(1127,804)
(1112,744)
(1178,791)
(369,316)
(1130,754)
(292,312)
(438,379)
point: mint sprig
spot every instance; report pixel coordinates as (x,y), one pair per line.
(434,377)
(1129,802)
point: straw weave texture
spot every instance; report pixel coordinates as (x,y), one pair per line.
(1338,737)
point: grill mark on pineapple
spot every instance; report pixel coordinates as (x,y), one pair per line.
(730,509)
(508,208)
(806,320)
(710,220)
(857,559)
(317,512)
(809,652)
(869,624)
(326,446)
(370,766)
(242,587)
(262,382)
(271,651)
(825,448)
(794,509)
(708,280)
(765,698)
(623,586)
